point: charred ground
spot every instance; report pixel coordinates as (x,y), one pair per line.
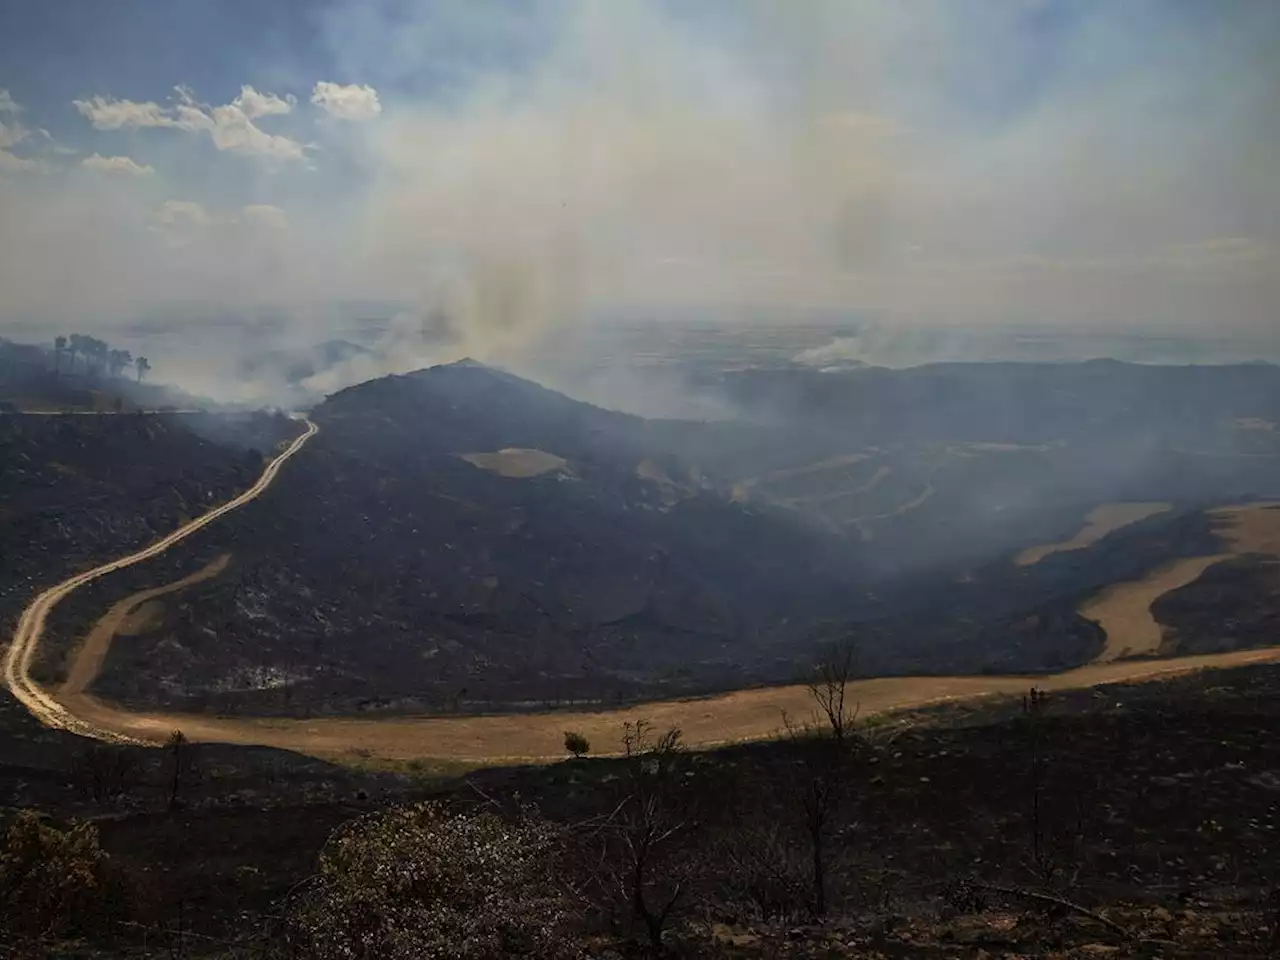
(643,558)
(76,490)
(1153,805)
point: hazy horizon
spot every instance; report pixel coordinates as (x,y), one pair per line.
(508,171)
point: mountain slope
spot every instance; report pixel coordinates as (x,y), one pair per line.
(396,558)
(78,490)
(461,538)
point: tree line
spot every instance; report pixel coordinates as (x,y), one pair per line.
(98,357)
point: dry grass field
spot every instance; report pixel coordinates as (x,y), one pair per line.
(516,462)
(733,717)
(1123,610)
(1099,522)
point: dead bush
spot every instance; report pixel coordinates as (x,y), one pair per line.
(57,883)
(421,883)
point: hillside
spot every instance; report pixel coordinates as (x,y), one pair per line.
(48,379)
(1153,807)
(396,560)
(950,465)
(462,539)
(78,490)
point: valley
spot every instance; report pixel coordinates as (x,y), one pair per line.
(643,480)
(288,702)
(532,737)
(491,545)
(739,717)
(422,586)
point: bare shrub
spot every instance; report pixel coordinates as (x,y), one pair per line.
(825,746)
(55,883)
(184,766)
(104,771)
(639,871)
(421,883)
(763,873)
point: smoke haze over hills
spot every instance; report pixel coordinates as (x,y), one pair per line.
(504,170)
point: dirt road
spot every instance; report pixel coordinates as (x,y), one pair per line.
(727,718)
(731,717)
(22,650)
(88,660)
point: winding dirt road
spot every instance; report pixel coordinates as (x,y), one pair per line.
(88,660)
(26,640)
(742,715)
(725,718)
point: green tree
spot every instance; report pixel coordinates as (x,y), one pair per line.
(576,743)
(142,365)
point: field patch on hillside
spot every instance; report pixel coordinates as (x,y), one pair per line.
(516,462)
(1123,610)
(1099,522)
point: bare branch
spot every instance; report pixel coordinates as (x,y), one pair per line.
(1060,902)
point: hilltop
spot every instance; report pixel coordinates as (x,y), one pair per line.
(400,559)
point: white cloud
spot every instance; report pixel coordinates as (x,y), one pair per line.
(232,130)
(254,104)
(230,127)
(106,113)
(53,146)
(14,164)
(181,213)
(123,165)
(894,160)
(352,102)
(13,132)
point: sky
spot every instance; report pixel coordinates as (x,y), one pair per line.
(515,166)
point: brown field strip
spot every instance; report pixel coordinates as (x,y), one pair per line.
(92,653)
(742,715)
(1099,522)
(1123,610)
